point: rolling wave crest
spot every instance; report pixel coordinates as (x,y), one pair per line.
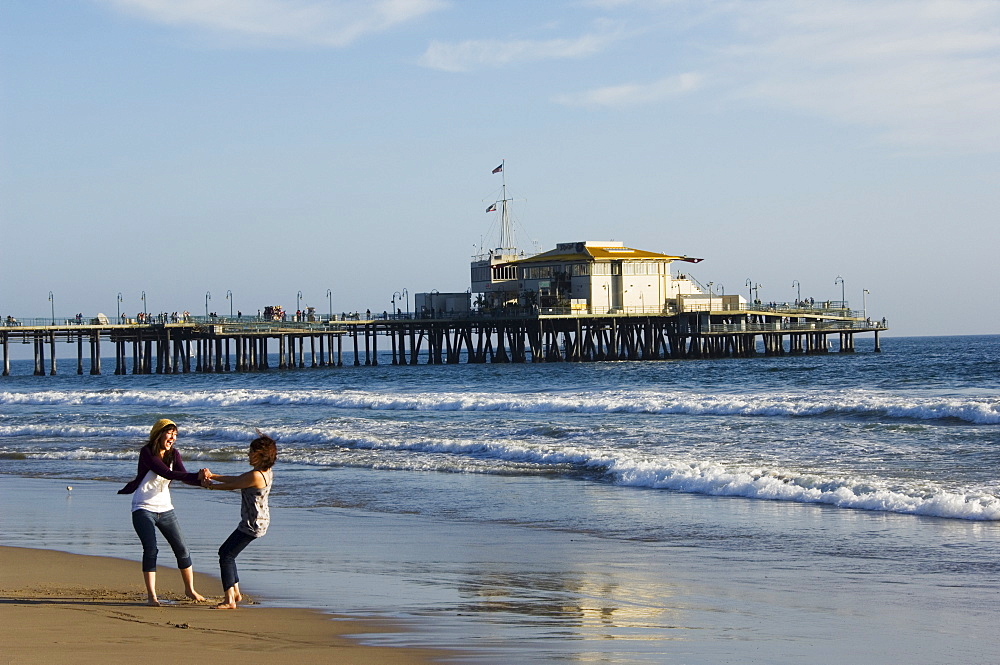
(977,410)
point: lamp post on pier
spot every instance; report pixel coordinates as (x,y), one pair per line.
(143,305)
(298,305)
(229,297)
(208,296)
(798,291)
(395,295)
(864,303)
(406,294)
(119,319)
(329,297)
(52,300)
(843,292)
(750,290)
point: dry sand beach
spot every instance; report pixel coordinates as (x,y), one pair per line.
(66,608)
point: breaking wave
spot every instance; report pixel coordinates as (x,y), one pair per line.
(976,410)
(324,445)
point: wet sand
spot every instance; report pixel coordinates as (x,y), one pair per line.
(487,593)
(67,608)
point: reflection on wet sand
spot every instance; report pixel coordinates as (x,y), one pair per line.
(577,604)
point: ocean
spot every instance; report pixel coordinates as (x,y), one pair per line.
(598,512)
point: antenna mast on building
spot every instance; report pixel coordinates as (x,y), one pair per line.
(506,245)
(495,275)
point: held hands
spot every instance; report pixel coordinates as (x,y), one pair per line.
(205,477)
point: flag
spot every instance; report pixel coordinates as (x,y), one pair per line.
(492,208)
(499,168)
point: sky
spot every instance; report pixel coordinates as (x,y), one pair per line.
(193,149)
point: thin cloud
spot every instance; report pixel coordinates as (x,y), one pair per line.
(319,22)
(633,94)
(490,53)
(924,73)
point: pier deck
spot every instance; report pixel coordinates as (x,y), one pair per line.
(501,337)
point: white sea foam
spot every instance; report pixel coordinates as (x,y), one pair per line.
(324,445)
(629,467)
(713,478)
(127,433)
(708,477)
(718,480)
(977,410)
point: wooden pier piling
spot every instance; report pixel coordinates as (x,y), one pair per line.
(243,347)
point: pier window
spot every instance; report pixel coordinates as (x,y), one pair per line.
(504,272)
(643,268)
(640,268)
(538,272)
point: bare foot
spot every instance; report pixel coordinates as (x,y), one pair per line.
(195,596)
(153,602)
(224,606)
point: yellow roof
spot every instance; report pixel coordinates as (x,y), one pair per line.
(584,252)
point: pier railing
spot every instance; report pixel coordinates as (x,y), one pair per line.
(796,326)
(257,323)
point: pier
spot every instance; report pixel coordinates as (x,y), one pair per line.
(507,335)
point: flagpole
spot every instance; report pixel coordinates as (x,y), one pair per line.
(504,220)
(505,233)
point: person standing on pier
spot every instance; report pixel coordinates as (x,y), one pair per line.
(159,463)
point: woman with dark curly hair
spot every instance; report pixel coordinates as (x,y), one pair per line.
(254,486)
(159,463)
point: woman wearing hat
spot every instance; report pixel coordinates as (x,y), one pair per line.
(159,463)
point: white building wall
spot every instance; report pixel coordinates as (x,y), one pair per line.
(642,294)
(620,286)
(633,293)
(602,298)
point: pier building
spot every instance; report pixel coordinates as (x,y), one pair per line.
(579,302)
(597,276)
